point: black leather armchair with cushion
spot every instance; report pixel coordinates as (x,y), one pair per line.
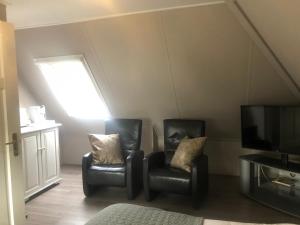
(160,177)
(127,175)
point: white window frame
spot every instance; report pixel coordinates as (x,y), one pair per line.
(86,66)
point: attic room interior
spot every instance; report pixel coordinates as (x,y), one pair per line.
(138,112)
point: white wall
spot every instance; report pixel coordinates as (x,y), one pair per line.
(26,98)
(185,63)
(278,23)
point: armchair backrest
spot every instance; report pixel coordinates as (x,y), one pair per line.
(177,129)
(130,131)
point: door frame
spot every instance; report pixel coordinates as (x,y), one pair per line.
(10,126)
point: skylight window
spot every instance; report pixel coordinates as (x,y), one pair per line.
(74,86)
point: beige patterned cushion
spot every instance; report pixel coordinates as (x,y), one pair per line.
(106,149)
(187,150)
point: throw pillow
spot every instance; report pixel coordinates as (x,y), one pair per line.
(187,151)
(106,149)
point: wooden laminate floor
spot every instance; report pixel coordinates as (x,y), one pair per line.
(65,204)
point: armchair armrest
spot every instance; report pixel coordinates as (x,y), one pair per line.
(200,176)
(87,160)
(134,161)
(198,161)
(135,155)
(134,172)
(154,160)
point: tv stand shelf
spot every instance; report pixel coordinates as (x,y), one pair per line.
(271,183)
(267,161)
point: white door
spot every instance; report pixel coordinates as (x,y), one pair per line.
(50,155)
(11,177)
(31,162)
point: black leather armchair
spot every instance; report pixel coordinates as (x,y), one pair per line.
(127,175)
(160,177)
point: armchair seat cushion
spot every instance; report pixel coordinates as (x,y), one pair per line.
(112,174)
(109,168)
(170,180)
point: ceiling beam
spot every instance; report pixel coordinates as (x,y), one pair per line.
(258,39)
(113,15)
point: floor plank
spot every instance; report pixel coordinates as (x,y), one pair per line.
(65,204)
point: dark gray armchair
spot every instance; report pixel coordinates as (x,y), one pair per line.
(160,177)
(127,175)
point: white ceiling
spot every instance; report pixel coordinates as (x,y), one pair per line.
(34,13)
(277,22)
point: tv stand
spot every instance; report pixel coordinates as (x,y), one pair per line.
(270,182)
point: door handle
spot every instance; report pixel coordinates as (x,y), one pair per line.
(14,143)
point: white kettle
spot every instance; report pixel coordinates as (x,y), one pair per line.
(37,114)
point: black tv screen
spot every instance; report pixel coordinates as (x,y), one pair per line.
(271,128)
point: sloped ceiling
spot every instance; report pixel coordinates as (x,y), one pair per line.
(33,13)
(195,62)
(277,21)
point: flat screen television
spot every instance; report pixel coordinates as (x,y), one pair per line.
(271,128)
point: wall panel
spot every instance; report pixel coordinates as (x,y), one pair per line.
(189,63)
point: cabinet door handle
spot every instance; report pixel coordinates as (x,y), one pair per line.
(14,143)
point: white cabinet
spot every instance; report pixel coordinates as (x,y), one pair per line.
(41,159)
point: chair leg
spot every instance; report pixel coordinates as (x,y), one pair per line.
(149,195)
(131,194)
(134,187)
(199,197)
(88,190)
(195,201)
